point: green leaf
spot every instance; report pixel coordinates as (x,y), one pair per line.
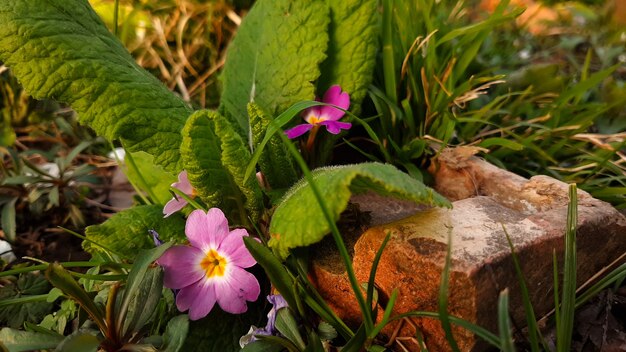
(61,278)
(215,158)
(144,300)
(154,176)
(275,57)
(352,48)
(127,231)
(7,220)
(221,331)
(79,342)
(275,162)
(299,221)
(18,341)
(61,49)
(287,326)
(175,333)
(143,291)
(276,272)
(26,286)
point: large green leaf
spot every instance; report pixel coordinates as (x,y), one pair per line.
(128,231)
(18,340)
(275,162)
(60,49)
(352,48)
(299,220)
(275,57)
(152,176)
(215,157)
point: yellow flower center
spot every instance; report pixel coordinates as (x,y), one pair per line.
(213,264)
(314,120)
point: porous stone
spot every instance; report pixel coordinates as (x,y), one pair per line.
(487,201)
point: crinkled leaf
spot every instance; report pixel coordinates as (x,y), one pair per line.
(60,49)
(175,333)
(352,48)
(16,314)
(18,340)
(299,220)
(275,57)
(127,231)
(154,176)
(215,157)
(275,162)
(221,331)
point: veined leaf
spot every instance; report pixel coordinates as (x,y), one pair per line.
(127,231)
(215,157)
(276,163)
(352,48)
(275,57)
(299,221)
(60,49)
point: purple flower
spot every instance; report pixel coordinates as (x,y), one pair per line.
(278,303)
(211,269)
(177,203)
(325,115)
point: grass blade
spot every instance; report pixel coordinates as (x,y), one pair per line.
(568,301)
(504,323)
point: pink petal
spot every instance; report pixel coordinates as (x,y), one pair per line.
(173,206)
(298,131)
(180,264)
(234,248)
(335,96)
(198,298)
(183,183)
(206,230)
(335,127)
(235,289)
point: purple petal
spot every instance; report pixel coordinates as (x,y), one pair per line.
(235,289)
(173,206)
(237,253)
(183,183)
(180,264)
(298,131)
(206,230)
(335,127)
(335,96)
(278,302)
(198,298)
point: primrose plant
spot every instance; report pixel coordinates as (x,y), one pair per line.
(285,53)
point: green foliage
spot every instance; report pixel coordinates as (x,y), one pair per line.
(15,315)
(220,331)
(298,220)
(22,341)
(352,48)
(275,162)
(215,157)
(79,62)
(275,57)
(127,231)
(154,177)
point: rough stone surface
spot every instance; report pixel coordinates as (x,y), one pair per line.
(486,200)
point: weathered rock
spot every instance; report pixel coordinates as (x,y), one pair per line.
(487,200)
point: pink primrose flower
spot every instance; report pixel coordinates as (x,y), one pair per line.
(325,115)
(177,203)
(211,269)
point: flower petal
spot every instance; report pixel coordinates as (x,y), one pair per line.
(335,127)
(235,289)
(183,183)
(206,230)
(180,264)
(237,253)
(198,298)
(173,206)
(335,96)
(298,131)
